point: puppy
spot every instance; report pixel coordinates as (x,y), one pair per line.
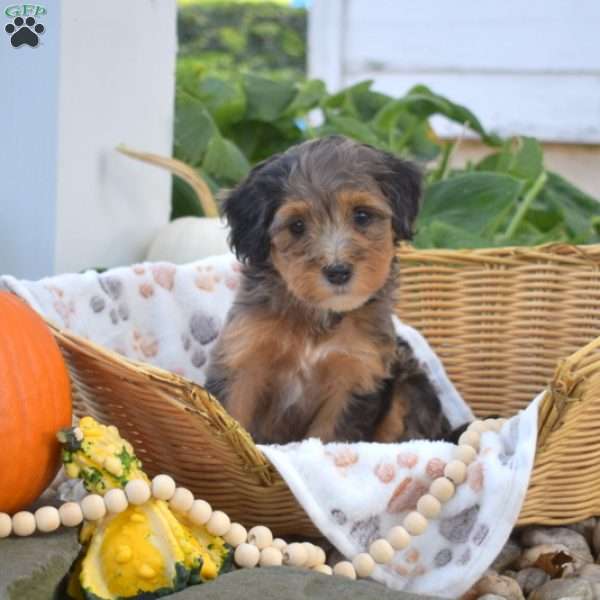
(309,347)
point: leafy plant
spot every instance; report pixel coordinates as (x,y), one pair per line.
(264,37)
(227,123)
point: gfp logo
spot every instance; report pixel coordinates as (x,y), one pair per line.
(24,29)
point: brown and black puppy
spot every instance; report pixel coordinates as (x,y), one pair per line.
(309,348)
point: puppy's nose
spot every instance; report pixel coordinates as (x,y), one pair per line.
(338,274)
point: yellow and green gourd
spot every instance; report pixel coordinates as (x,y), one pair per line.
(146,551)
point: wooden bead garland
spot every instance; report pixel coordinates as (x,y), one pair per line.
(345,569)
(5,525)
(257,546)
(381,551)
(116,501)
(270,557)
(47,519)
(182,500)
(236,535)
(260,536)
(246,555)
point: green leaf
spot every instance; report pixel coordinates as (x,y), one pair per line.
(438,234)
(358,101)
(224,161)
(308,96)
(577,209)
(352,128)
(527,162)
(224,99)
(424,103)
(194,127)
(259,140)
(476,202)
(267,99)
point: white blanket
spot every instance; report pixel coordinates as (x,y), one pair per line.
(171,315)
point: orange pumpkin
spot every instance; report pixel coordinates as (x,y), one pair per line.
(35,402)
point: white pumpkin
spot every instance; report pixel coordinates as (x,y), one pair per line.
(189,238)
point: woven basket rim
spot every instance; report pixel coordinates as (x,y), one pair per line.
(508,255)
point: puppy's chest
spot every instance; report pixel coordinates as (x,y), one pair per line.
(315,371)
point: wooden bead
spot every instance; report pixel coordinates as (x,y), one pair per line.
(295,555)
(279,544)
(442,488)
(324,569)
(500,423)
(47,519)
(5,525)
(270,557)
(321,557)
(478,426)
(470,438)
(495,424)
(429,506)
(218,524)
(138,491)
(246,555)
(236,535)
(23,523)
(466,454)
(200,512)
(363,564)
(312,555)
(163,487)
(456,471)
(93,507)
(70,514)
(344,569)
(260,536)
(381,551)
(182,500)
(398,537)
(115,501)
(415,523)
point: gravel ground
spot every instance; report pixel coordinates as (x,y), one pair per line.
(537,563)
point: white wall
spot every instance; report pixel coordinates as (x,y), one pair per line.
(528,67)
(112,78)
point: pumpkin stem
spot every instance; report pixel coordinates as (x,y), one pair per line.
(179,168)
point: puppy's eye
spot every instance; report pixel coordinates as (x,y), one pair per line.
(362,217)
(297,227)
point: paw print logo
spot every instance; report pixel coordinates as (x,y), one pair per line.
(24,32)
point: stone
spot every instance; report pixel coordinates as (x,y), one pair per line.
(563,589)
(552,558)
(508,556)
(497,585)
(574,541)
(531,578)
(596,540)
(276,583)
(585,528)
(31,568)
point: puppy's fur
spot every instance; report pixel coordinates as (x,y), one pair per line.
(301,356)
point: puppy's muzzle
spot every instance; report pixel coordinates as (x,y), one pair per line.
(338,274)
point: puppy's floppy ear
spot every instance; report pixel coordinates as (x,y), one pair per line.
(250,207)
(401,183)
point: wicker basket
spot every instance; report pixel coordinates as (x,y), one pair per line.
(507,323)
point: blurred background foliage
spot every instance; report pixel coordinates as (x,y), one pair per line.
(242,95)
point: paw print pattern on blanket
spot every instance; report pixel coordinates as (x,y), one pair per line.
(65,308)
(112,286)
